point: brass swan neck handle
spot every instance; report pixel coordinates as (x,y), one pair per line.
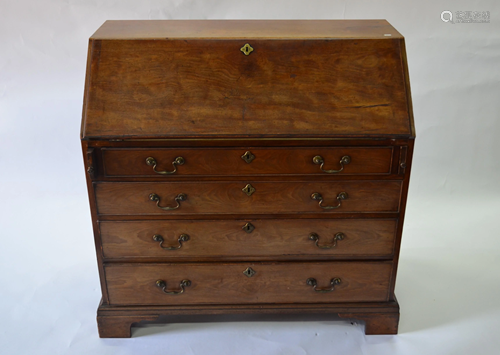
(163,285)
(336,237)
(333,282)
(340,197)
(177,161)
(318,160)
(182,238)
(180,197)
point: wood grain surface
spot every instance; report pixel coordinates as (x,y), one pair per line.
(200,88)
(229,162)
(226,239)
(184,88)
(228,197)
(134,284)
(245,29)
(379,317)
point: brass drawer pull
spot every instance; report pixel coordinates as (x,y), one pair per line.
(163,285)
(318,160)
(312,282)
(182,238)
(152,162)
(180,197)
(341,196)
(336,237)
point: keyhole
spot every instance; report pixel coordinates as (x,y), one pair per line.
(249,227)
(246,49)
(248,157)
(249,272)
(249,190)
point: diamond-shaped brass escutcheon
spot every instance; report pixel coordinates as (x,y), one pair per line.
(248,157)
(248,227)
(246,49)
(249,272)
(249,190)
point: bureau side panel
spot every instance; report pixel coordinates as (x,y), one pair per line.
(406,159)
(90,164)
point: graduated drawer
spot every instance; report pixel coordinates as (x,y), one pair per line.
(145,284)
(249,197)
(250,239)
(251,161)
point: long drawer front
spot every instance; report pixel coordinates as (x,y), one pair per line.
(252,197)
(171,162)
(231,283)
(250,239)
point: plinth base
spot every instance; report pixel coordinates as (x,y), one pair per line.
(379,318)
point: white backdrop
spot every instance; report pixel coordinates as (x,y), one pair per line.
(448,282)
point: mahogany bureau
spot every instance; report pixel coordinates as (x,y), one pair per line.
(247,168)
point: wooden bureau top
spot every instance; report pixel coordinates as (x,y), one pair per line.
(302,78)
(245,29)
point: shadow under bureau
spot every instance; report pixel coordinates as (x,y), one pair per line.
(239,169)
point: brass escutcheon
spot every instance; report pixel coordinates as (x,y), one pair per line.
(249,272)
(248,227)
(249,190)
(248,157)
(246,49)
